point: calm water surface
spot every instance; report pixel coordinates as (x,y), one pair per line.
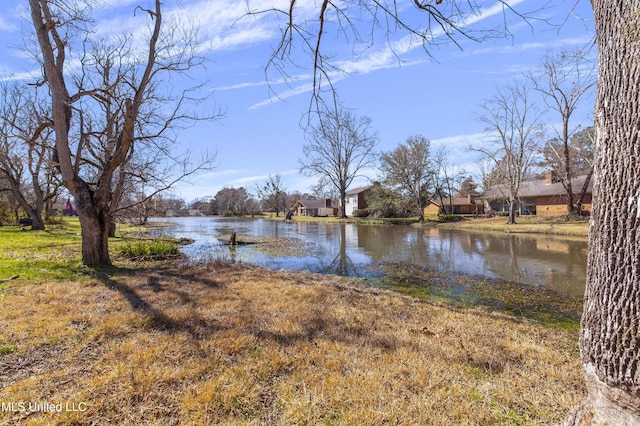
(357,250)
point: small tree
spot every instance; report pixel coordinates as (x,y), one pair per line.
(230,201)
(564,79)
(273,194)
(383,202)
(324,189)
(513,135)
(467,187)
(338,148)
(410,170)
(447,178)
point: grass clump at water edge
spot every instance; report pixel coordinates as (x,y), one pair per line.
(147,249)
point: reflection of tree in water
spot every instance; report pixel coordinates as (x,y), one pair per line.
(342,264)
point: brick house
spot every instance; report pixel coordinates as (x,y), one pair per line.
(542,197)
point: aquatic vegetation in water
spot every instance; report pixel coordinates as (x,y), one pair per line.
(534,302)
(274,246)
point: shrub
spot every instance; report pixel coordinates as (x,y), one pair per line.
(449,218)
(148,248)
(360,213)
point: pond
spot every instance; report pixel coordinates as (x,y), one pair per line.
(555,264)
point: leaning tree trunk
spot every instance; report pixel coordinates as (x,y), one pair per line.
(36,217)
(610,329)
(34,213)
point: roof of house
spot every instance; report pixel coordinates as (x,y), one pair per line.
(457,201)
(538,188)
(357,190)
(312,204)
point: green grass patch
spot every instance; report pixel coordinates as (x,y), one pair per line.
(144,249)
(7,349)
(54,253)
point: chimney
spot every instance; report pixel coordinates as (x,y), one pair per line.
(550,178)
(470,198)
(327,202)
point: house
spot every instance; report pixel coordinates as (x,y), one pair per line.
(542,197)
(69,209)
(455,205)
(356,199)
(306,207)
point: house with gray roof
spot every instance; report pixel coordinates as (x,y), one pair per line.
(542,197)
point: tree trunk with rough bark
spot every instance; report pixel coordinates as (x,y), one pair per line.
(343,202)
(610,329)
(94,222)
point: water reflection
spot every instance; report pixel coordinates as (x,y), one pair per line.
(355,250)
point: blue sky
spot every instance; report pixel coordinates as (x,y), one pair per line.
(409,94)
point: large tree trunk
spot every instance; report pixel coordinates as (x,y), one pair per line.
(610,329)
(94,224)
(343,202)
(36,217)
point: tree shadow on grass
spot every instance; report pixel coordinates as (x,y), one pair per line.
(161,293)
(141,287)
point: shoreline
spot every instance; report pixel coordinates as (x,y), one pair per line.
(558,226)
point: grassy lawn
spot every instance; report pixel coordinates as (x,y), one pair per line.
(224,343)
(55,253)
(524,224)
(35,255)
(528,225)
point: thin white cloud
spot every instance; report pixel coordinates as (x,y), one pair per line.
(6,25)
(384,57)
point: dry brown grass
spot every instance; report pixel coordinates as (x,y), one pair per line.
(235,344)
(527,225)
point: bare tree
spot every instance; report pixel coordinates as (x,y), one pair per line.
(447,179)
(410,169)
(273,193)
(338,148)
(116,105)
(564,79)
(26,151)
(324,189)
(513,133)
